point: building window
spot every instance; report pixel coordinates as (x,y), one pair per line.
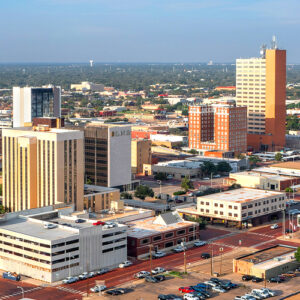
(179,232)
(144,241)
(169,234)
(230,214)
(169,244)
(157,238)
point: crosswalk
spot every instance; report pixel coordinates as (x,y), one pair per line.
(20,292)
(70,290)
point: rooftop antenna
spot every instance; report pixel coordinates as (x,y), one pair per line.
(91,63)
(274,43)
(263,51)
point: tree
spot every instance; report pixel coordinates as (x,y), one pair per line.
(3,210)
(186,184)
(160,176)
(254,160)
(208,168)
(278,156)
(193,151)
(288,190)
(240,156)
(297,254)
(1,189)
(223,167)
(142,191)
(126,195)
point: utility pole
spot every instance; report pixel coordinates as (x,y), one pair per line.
(150,250)
(221,252)
(184,256)
(211,260)
(283,222)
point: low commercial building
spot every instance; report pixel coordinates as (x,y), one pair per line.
(268,262)
(235,207)
(262,181)
(98,198)
(161,233)
(167,140)
(67,249)
(88,86)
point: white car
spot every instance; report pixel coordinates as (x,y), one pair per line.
(159,254)
(49,226)
(84,275)
(256,295)
(211,283)
(70,280)
(179,249)
(217,176)
(206,178)
(270,292)
(190,297)
(260,293)
(158,270)
(199,243)
(218,289)
(92,274)
(142,274)
(98,288)
(274,226)
(125,264)
(248,297)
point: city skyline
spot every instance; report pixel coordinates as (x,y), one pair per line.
(147,31)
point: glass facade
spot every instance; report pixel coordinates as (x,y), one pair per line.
(42,102)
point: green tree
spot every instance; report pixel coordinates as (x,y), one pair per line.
(297,254)
(186,184)
(278,156)
(3,209)
(223,167)
(208,168)
(288,190)
(254,160)
(193,151)
(142,191)
(160,176)
(126,195)
(1,189)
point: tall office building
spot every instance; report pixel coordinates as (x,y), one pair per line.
(42,166)
(108,155)
(221,126)
(33,102)
(261,85)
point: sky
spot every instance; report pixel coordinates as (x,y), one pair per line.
(145,30)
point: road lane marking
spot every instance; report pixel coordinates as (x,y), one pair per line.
(20,293)
(70,290)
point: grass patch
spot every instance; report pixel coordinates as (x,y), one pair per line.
(176,274)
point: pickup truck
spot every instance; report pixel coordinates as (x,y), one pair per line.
(12,276)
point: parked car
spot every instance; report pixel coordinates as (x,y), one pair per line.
(260,293)
(169,297)
(11,276)
(256,295)
(178,249)
(205,255)
(257,279)
(270,292)
(238,298)
(217,176)
(200,243)
(98,288)
(211,283)
(50,226)
(83,276)
(288,231)
(248,297)
(159,254)
(274,226)
(70,279)
(151,279)
(275,279)
(218,289)
(110,225)
(247,277)
(186,289)
(99,223)
(289,274)
(79,221)
(190,297)
(92,274)
(142,274)
(158,270)
(119,291)
(214,279)
(160,277)
(125,264)
(102,271)
(199,295)
(206,178)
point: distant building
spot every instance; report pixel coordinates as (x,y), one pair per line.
(225,88)
(140,155)
(33,102)
(163,232)
(88,86)
(108,155)
(268,262)
(168,140)
(261,86)
(220,126)
(42,166)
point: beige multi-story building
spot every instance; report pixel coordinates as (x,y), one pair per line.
(140,155)
(42,166)
(260,85)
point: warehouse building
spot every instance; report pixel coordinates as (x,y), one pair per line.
(267,263)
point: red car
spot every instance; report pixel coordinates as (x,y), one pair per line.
(99,223)
(186,289)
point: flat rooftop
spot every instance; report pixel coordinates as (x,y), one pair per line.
(268,254)
(257,174)
(183,164)
(144,228)
(94,189)
(241,195)
(37,230)
(287,165)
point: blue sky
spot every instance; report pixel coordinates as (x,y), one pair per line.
(145,30)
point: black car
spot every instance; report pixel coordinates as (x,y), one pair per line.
(247,277)
(116,292)
(160,277)
(275,279)
(169,297)
(151,279)
(289,231)
(205,255)
(216,280)
(79,221)
(257,279)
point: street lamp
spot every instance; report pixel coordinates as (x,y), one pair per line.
(184,257)
(159,182)
(221,252)
(150,252)
(19,287)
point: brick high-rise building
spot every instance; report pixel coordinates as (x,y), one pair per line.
(221,126)
(261,85)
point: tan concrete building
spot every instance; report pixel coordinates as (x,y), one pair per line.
(267,263)
(42,166)
(98,198)
(140,155)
